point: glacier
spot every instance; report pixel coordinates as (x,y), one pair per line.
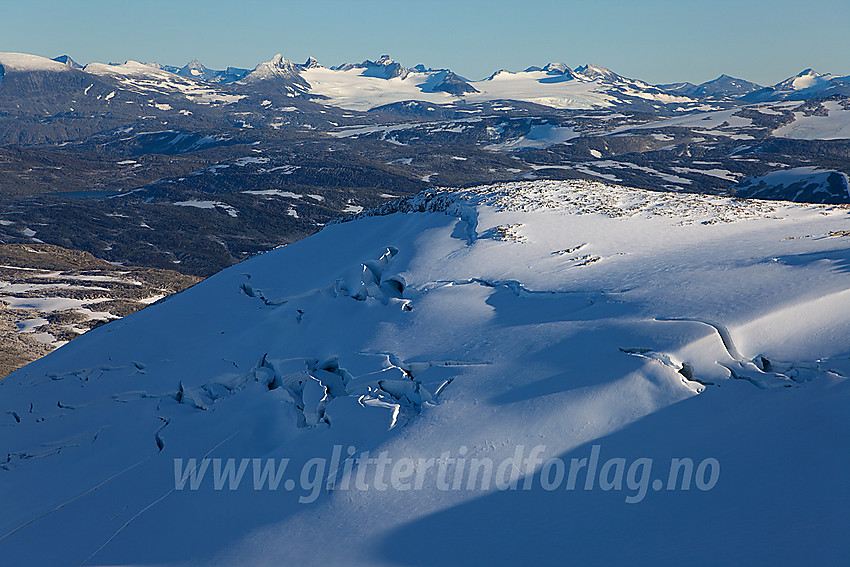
(576,316)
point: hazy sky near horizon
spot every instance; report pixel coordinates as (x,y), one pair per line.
(657,41)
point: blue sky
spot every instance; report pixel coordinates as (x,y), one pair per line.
(654,40)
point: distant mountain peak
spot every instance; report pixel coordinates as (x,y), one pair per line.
(195,69)
(559,68)
(447,81)
(384,68)
(594,72)
(805,79)
(277,63)
(280,69)
(805,85)
(724,86)
(311,63)
(157,65)
(278,60)
(499,73)
(550,69)
(66,60)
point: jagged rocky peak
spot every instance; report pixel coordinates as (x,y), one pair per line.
(506,72)
(385,68)
(161,67)
(593,72)
(67,61)
(194,64)
(194,68)
(446,81)
(281,73)
(279,60)
(312,63)
(560,68)
(550,68)
(278,66)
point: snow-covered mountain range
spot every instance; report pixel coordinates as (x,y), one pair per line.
(384,81)
(568,318)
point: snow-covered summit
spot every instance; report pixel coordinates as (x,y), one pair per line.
(26,62)
(594,72)
(559,68)
(805,85)
(311,63)
(278,67)
(385,67)
(557,72)
(805,79)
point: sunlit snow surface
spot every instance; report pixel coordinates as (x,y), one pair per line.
(26,62)
(352,90)
(540,313)
(834,125)
(141,78)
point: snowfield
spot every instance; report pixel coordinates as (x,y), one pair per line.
(26,62)
(584,318)
(833,125)
(352,89)
(569,92)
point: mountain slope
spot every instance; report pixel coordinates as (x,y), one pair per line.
(801,184)
(722,87)
(806,85)
(66,60)
(278,69)
(476,324)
